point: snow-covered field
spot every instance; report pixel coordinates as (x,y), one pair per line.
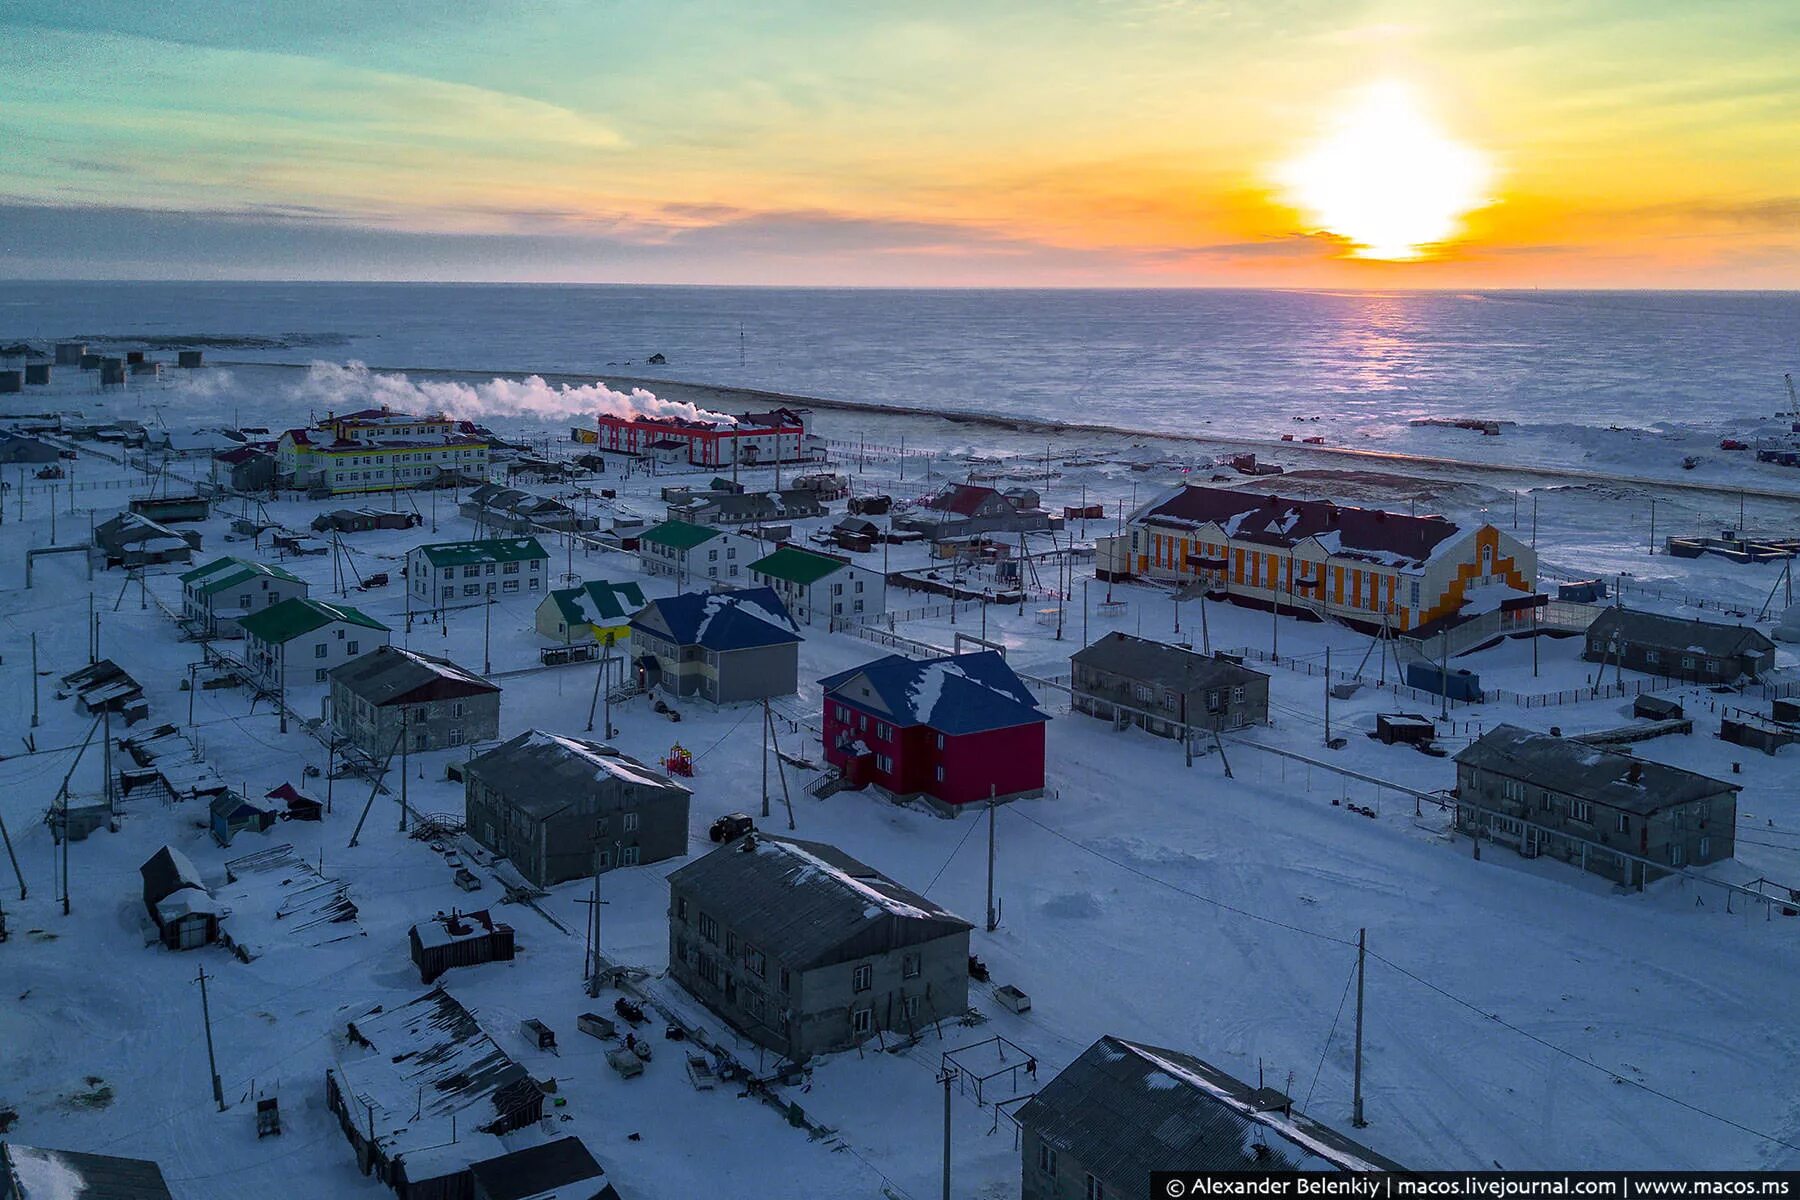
(1517,1012)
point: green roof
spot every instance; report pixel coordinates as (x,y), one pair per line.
(597,602)
(286,621)
(797,565)
(222,573)
(456,554)
(682,535)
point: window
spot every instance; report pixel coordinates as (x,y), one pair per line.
(471,589)
(940,774)
(940,741)
(909,966)
(730,943)
(351,648)
(861,1021)
(910,1008)
(709,928)
(1677,854)
(1047,1160)
(511,585)
(1095,1189)
(707,969)
(1141,692)
(1544,801)
(320,650)
(319,675)
(862,978)
(454,738)
(511,568)
(784,981)
(1512,789)
(884,764)
(681,908)
(1687,662)
(1581,810)
(628,857)
(456,708)
(421,741)
(1624,825)
(629,823)
(1651,656)
(1705,848)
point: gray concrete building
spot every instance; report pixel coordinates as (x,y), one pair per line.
(390,691)
(1164,688)
(558,806)
(1125,1109)
(1678,647)
(723,647)
(806,950)
(1545,795)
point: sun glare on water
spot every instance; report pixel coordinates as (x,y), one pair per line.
(1386,177)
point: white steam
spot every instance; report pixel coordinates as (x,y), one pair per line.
(348,386)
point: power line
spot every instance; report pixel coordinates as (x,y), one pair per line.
(953,853)
(1306,1105)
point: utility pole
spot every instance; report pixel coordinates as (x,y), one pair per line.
(1362,954)
(281,691)
(947,1077)
(405,759)
(606,673)
(487,627)
(1444,674)
(106,756)
(765,758)
(211,1061)
(593,927)
(993,918)
(1328,697)
(34,682)
(330,771)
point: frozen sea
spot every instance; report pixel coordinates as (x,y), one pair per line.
(1243,361)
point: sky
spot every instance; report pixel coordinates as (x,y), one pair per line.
(1134,143)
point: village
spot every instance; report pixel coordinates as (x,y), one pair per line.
(474,806)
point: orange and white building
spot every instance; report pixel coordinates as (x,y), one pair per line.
(1361,566)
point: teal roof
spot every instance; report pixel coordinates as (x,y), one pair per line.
(598,602)
(222,573)
(797,565)
(286,621)
(682,535)
(456,554)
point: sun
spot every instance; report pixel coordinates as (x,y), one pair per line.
(1386,177)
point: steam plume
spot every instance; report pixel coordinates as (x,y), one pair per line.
(352,385)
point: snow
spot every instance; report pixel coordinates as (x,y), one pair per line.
(45,1174)
(612,765)
(929,688)
(816,867)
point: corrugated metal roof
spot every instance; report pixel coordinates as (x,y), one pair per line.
(959,693)
(682,535)
(299,614)
(39,1174)
(803,901)
(598,601)
(390,674)
(1711,638)
(1280,521)
(541,773)
(485,550)
(1124,1109)
(1569,767)
(735,620)
(1162,664)
(797,565)
(563,1168)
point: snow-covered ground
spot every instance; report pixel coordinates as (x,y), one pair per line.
(1517,1012)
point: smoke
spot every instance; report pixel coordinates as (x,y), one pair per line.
(342,387)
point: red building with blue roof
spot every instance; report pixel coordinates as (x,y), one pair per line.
(951,730)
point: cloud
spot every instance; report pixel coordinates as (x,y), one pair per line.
(352,385)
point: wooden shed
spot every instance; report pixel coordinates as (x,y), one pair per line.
(456,939)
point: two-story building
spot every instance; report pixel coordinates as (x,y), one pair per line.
(959,510)
(723,647)
(215,596)
(1547,795)
(1125,1109)
(821,588)
(1364,567)
(561,807)
(1169,691)
(597,611)
(951,731)
(806,950)
(379,450)
(710,440)
(299,641)
(392,698)
(1678,647)
(445,575)
(696,555)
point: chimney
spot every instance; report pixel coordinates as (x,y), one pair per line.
(1634,772)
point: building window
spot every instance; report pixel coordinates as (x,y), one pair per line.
(1624,823)
(321,650)
(1677,854)
(910,1008)
(940,774)
(909,966)
(1095,1189)
(1705,848)
(681,908)
(456,708)
(1687,662)
(352,648)
(784,981)
(1581,810)
(628,857)
(709,928)
(861,1021)
(754,961)
(1651,656)
(1047,1160)
(940,741)
(862,978)
(319,675)
(630,822)
(454,737)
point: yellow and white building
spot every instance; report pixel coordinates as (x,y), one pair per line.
(379,450)
(1362,566)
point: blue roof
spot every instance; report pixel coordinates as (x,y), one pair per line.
(960,693)
(736,620)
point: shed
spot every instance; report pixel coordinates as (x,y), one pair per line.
(1412,729)
(233,814)
(1655,708)
(184,911)
(459,940)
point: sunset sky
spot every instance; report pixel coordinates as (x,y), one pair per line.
(1635,143)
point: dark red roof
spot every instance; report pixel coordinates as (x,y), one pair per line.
(963,499)
(1279,521)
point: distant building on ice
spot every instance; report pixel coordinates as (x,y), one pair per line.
(457,574)
(951,731)
(185,913)
(694,555)
(552,803)
(299,641)
(1124,1109)
(458,939)
(1360,566)
(1565,798)
(1678,647)
(806,950)
(422,1094)
(31,1173)
(1164,689)
(437,704)
(590,613)
(724,647)
(820,588)
(214,597)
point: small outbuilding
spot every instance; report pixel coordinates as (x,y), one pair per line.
(456,939)
(185,913)
(233,814)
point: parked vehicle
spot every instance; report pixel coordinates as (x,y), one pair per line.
(731,826)
(467,880)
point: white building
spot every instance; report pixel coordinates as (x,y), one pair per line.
(299,641)
(378,450)
(457,574)
(216,596)
(821,588)
(697,555)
